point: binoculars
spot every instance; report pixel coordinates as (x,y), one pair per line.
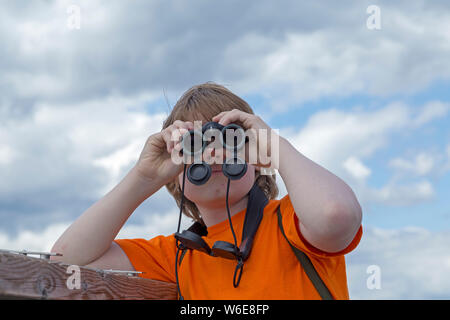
(231,137)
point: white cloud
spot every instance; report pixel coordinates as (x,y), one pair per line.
(356,168)
(431,111)
(115,163)
(414,264)
(341,141)
(63,157)
(6,154)
(305,66)
(421,165)
(41,240)
(331,136)
(298,52)
(154,225)
(403,195)
(59,140)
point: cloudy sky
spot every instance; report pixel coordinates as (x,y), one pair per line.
(372,105)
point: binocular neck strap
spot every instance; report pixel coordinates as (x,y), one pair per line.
(257,201)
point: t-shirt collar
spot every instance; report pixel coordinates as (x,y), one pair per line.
(225,225)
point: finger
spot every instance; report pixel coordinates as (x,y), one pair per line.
(225,118)
(177,147)
(218,116)
(183,124)
(180,128)
(173,133)
(190,125)
(167,136)
(234,115)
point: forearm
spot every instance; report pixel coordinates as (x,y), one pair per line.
(325,205)
(92,233)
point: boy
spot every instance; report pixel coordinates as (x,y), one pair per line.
(320,215)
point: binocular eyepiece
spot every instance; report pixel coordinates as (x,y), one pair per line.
(231,137)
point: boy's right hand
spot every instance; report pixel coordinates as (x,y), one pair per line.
(155,162)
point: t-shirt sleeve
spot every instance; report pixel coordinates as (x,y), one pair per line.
(155,257)
(292,230)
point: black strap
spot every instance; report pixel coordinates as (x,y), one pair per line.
(257,201)
(183,252)
(307,265)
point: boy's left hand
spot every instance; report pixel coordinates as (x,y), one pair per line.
(249,121)
(254,126)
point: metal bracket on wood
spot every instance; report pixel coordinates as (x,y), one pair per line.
(128,273)
(42,255)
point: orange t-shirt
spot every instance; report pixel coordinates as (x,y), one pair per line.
(271,272)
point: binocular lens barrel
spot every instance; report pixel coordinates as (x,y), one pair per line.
(233,137)
(192,143)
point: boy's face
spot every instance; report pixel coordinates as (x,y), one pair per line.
(213,193)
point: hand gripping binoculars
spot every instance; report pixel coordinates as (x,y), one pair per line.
(231,137)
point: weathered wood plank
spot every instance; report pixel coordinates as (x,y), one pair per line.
(25,277)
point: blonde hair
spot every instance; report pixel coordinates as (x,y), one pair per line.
(203,102)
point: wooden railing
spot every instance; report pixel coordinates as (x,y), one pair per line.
(25,277)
